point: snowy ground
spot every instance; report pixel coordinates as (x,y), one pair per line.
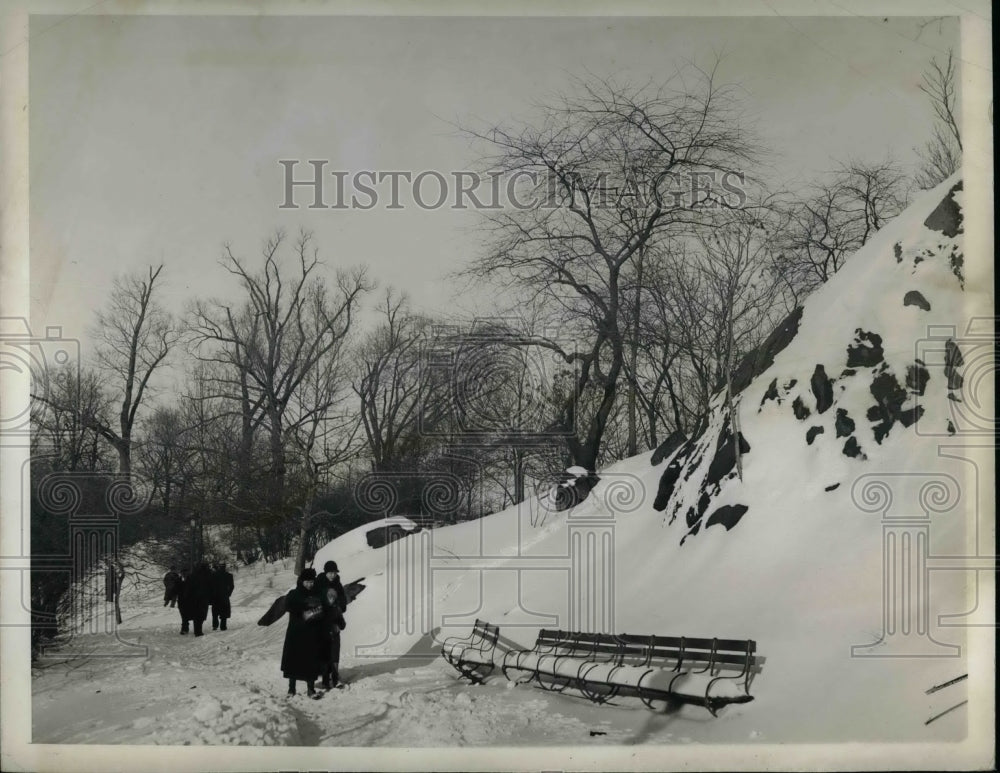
(225,688)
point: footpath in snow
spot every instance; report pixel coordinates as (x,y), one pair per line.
(225,688)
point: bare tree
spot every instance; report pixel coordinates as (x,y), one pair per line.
(274,358)
(70,405)
(322,428)
(165,454)
(742,294)
(391,384)
(611,158)
(941,156)
(288,327)
(835,220)
(667,389)
(134,335)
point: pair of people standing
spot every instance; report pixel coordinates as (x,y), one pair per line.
(315,619)
(198,590)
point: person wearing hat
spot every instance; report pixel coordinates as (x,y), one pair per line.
(305,638)
(222,589)
(185,600)
(334,605)
(171,587)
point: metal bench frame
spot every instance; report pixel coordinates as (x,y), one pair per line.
(482,640)
(680,655)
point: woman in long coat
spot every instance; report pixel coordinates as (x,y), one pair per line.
(305,638)
(200,594)
(334,598)
(185,600)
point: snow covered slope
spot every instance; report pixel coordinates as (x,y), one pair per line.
(852,413)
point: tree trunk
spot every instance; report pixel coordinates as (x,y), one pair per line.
(633,447)
(124,448)
(518,476)
(734,419)
(588,452)
(119,576)
(277,461)
(300,551)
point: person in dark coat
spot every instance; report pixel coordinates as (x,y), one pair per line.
(185,603)
(200,595)
(222,589)
(171,584)
(334,598)
(305,638)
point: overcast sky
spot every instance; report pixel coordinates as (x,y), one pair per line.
(157,139)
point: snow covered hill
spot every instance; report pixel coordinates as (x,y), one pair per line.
(842,434)
(843,552)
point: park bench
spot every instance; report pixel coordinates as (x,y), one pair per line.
(704,672)
(472,655)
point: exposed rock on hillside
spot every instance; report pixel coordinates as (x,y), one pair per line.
(882,389)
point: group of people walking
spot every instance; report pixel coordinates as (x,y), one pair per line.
(315,609)
(194,592)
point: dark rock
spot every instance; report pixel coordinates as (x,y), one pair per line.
(957,261)
(846,372)
(694,530)
(889,398)
(865,351)
(724,460)
(916,298)
(852,449)
(843,423)
(812,433)
(574,489)
(770,394)
(951,428)
(800,410)
(674,441)
(897,250)
(880,431)
(670,476)
(887,391)
(727,515)
(947,217)
(831,488)
(952,361)
(911,415)
(695,513)
(822,388)
(761,358)
(917,378)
